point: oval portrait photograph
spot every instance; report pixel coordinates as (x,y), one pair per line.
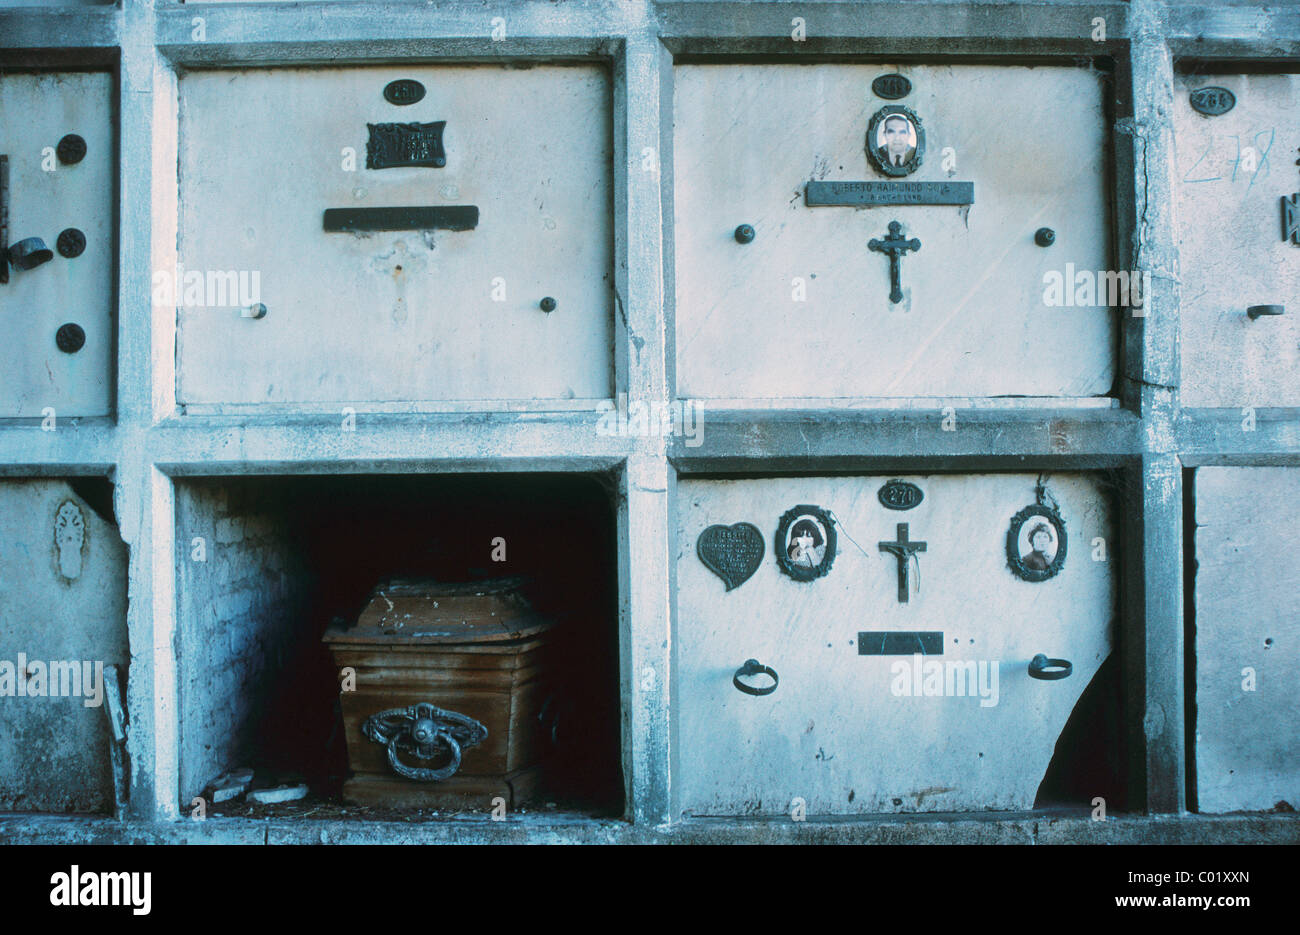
(805,542)
(1036,543)
(895,140)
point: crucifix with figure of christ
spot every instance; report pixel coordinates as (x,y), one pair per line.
(896,245)
(902,548)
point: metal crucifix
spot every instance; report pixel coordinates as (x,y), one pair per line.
(896,245)
(902,549)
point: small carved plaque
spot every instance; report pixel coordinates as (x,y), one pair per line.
(900,495)
(1212,101)
(392,145)
(891,87)
(404,91)
(733,553)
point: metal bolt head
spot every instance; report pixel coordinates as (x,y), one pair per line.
(745,233)
(424,730)
(71,243)
(1044,236)
(548,304)
(71,149)
(70,338)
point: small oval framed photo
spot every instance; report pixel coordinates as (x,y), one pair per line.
(895,140)
(805,542)
(1036,543)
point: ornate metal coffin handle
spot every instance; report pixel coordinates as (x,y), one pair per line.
(754,667)
(425,731)
(1040,667)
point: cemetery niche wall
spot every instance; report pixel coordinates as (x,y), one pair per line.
(63,648)
(58,161)
(929,263)
(453,246)
(901,263)
(898,644)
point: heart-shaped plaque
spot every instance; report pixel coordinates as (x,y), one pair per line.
(733,553)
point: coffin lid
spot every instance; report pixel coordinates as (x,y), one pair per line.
(422,610)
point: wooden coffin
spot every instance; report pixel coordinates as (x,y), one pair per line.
(475,650)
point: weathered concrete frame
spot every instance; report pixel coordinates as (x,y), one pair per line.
(1148,439)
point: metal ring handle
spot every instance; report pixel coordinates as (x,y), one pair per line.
(423,773)
(1040,667)
(754,667)
(423,730)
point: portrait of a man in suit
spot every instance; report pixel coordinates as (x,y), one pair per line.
(895,141)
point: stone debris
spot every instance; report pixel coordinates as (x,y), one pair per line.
(229,785)
(289,793)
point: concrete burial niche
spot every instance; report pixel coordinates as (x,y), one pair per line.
(57,134)
(1247,714)
(265,564)
(777,316)
(451,304)
(62,618)
(852,733)
(1232,172)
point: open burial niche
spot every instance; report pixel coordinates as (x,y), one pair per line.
(429,643)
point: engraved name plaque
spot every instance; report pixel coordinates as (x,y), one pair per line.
(867,194)
(393,145)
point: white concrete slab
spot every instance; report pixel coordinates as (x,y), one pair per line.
(1247,638)
(1232,171)
(402,315)
(748,138)
(45,197)
(834,733)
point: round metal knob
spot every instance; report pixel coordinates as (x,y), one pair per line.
(71,243)
(548,304)
(30,253)
(71,150)
(70,338)
(256,310)
(745,233)
(1044,236)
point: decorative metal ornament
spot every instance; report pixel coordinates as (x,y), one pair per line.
(896,247)
(1212,101)
(404,91)
(903,548)
(393,145)
(900,495)
(805,542)
(891,87)
(1036,542)
(426,732)
(1291,218)
(895,140)
(733,553)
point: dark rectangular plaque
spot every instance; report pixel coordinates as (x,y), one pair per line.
(392,145)
(900,643)
(859,194)
(437,217)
